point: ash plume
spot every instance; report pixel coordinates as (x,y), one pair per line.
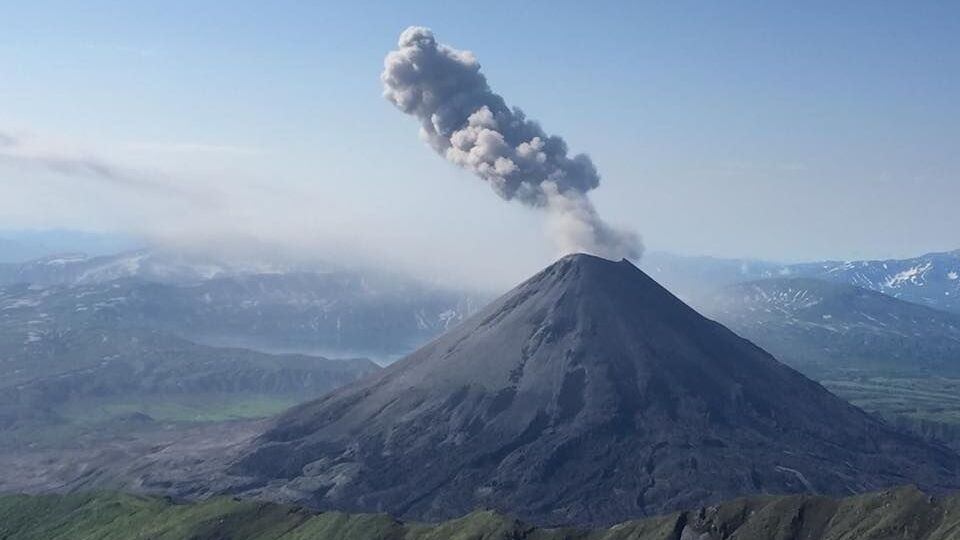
(472,126)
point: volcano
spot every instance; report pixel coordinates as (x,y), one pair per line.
(588,394)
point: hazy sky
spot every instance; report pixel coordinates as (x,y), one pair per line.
(802,131)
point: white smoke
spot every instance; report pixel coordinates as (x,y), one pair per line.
(470,125)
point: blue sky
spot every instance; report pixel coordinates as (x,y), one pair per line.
(791,131)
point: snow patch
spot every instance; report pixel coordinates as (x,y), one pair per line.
(22,303)
(421,320)
(914,275)
(447,317)
(65,260)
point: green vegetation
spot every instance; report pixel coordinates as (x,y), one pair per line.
(182,408)
(904,513)
(928,405)
(96,421)
(930,398)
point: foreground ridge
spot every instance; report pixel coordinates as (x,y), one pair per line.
(904,513)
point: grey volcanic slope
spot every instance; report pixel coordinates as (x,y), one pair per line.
(588,394)
(814,324)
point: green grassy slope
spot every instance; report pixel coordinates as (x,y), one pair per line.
(927,406)
(903,513)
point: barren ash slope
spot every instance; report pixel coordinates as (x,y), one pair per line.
(588,394)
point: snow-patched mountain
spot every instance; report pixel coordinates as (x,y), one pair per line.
(147,265)
(334,313)
(813,324)
(932,279)
(18,245)
(586,394)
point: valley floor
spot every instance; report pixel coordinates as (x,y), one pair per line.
(926,405)
(64,458)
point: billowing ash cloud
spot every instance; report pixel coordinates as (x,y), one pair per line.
(470,125)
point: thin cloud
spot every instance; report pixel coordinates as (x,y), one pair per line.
(191,148)
(28,151)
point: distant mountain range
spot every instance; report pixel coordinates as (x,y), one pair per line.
(19,245)
(68,269)
(814,324)
(338,313)
(349,312)
(932,279)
